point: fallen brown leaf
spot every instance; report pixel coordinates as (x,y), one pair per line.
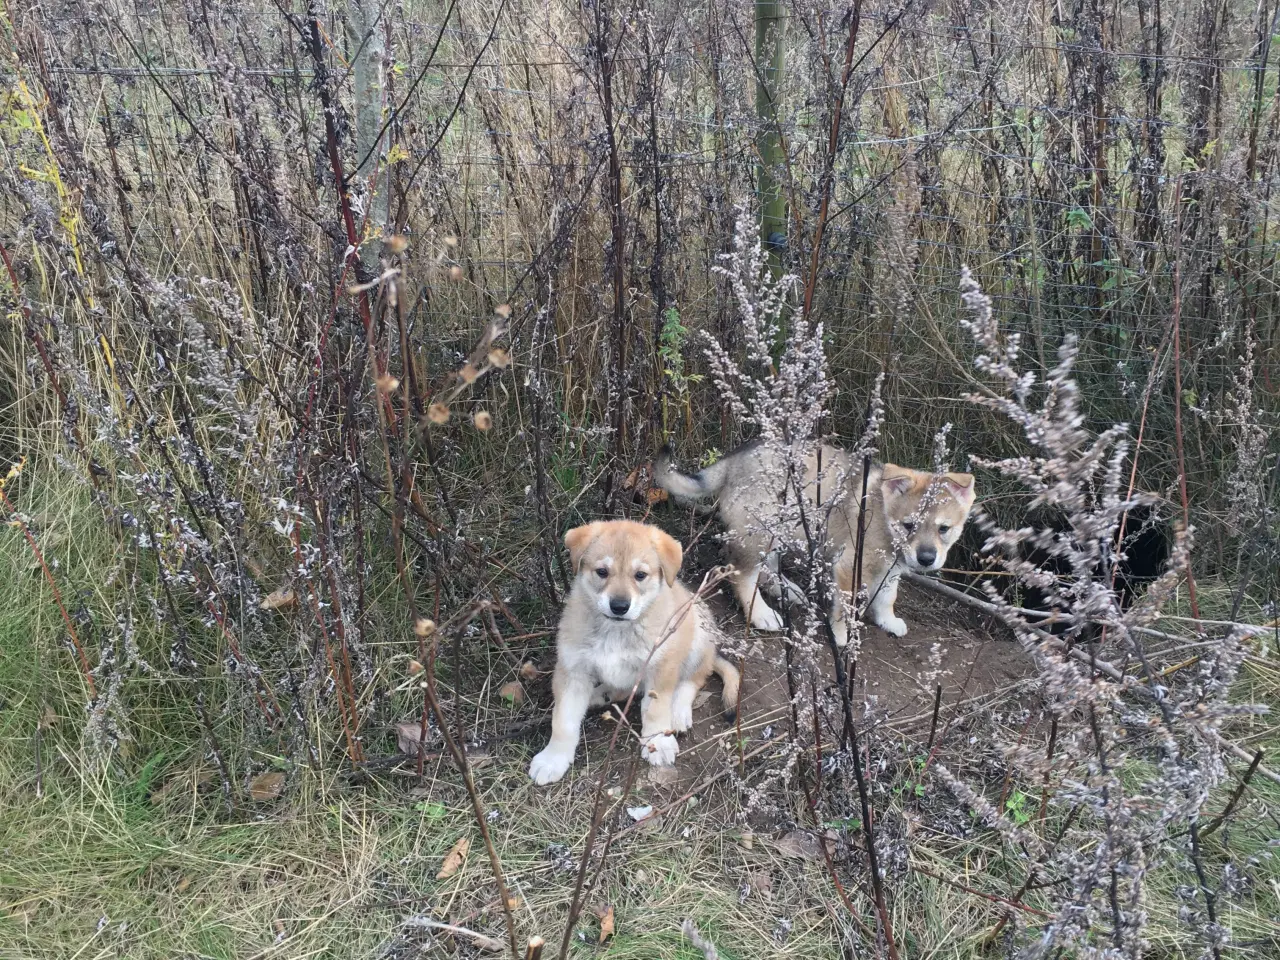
(183,884)
(761,883)
(266,786)
(408,736)
(656,495)
(453,862)
(606,922)
(632,478)
(512,692)
(799,844)
(279,599)
(488,944)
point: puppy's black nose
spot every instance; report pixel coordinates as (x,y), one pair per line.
(619,605)
(926,556)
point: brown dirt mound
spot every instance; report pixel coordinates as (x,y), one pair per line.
(979,664)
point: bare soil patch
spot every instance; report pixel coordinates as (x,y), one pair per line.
(977,663)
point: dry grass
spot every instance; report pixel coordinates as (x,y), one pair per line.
(142,860)
(138,196)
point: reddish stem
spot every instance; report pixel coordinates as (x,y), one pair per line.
(57,595)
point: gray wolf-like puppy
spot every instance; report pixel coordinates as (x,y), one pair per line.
(913,518)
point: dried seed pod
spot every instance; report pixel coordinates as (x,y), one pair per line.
(499,358)
(423,627)
(438,412)
(482,420)
(387,383)
(468,373)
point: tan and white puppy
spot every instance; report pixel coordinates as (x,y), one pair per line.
(913,519)
(629,621)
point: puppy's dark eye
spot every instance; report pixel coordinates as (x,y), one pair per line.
(942,530)
(909,526)
(602,572)
(640,574)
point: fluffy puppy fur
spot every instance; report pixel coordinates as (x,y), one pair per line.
(629,621)
(913,519)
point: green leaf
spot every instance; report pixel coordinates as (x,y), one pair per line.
(431,811)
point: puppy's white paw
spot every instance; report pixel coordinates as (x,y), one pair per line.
(792,592)
(550,765)
(764,617)
(660,750)
(841,632)
(681,715)
(894,625)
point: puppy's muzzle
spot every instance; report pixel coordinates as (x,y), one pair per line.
(619,606)
(926,556)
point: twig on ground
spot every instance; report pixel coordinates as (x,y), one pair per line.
(1236,794)
(481,940)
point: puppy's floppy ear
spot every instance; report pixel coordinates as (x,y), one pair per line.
(577,540)
(670,554)
(961,486)
(894,480)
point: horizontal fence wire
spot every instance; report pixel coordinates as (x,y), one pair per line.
(1067,158)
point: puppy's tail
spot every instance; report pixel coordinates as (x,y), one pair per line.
(702,485)
(730,677)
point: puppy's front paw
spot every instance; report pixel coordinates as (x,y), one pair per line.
(681,716)
(549,766)
(764,617)
(840,630)
(894,625)
(660,750)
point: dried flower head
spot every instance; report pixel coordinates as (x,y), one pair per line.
(499,358)
(455,272)
(482,420)
(438,413)
(503,310)
(387,383)
(422,627)
(468,373)
(395,243)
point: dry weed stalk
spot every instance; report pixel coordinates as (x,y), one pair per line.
(1108,728)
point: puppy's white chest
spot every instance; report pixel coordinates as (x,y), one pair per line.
(619,657)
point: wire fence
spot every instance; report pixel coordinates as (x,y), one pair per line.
(1084,161)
